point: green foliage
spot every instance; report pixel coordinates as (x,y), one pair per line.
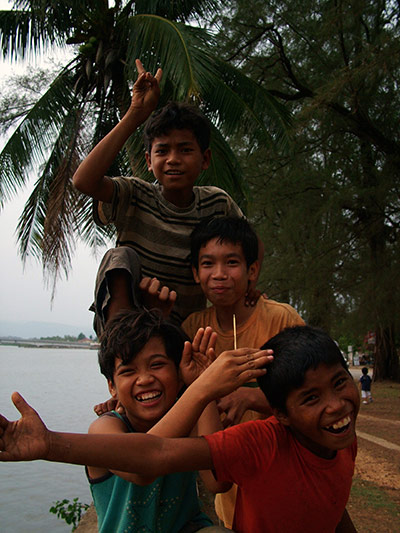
(328,212)
(69,511)
(68,338)
(91,92)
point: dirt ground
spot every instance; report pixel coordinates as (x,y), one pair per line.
(374,503)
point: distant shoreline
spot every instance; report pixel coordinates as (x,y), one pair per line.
(41,343)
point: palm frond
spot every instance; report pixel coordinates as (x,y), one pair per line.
(194,72)
(225,171)
(48,220)
(240,105)
(27,147)
(162,42)
(60,221)
(180,10)
(31,223)
(90,233)
(22,32)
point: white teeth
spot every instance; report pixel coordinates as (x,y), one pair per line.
(341,423)
(148,395)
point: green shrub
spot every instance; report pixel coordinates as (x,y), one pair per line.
(71,512)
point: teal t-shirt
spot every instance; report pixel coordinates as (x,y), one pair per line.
(165,506)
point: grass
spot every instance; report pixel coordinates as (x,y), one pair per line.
(373,509)
(371,496)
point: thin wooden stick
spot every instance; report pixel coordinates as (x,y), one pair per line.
(234,333)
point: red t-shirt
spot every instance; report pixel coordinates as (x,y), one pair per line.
(282,485)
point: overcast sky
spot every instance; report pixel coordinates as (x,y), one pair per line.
(23,295)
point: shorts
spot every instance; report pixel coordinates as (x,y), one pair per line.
(122,257)
(365,394)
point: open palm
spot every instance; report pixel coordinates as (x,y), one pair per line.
(25,439)
(198,355)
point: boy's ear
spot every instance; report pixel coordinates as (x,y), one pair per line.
(195,274)
(112,389)
(253,270)
(281,416)
(148,161)
(206,159)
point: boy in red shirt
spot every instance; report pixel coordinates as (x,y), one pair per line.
(294,470)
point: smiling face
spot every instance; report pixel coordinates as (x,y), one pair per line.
(147,386)
(176,160)
(322,412)
(223,273)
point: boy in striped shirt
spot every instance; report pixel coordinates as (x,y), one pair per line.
(153,220)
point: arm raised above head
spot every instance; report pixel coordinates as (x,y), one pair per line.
(28,439)
(89,177)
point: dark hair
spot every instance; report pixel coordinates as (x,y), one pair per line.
(296,350)
(128,332)
(226,229)
(177,116)
(364,370)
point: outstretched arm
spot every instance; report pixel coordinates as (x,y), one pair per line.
(28,439)
(90,177)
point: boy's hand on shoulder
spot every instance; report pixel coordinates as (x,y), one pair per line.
(145,92)
(109,405)
(233,368)
(198,355)
(25,439)
(253,294)
(233,406)
(157,296)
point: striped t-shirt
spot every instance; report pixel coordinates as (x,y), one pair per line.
(160,233)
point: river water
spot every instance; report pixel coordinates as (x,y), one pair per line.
(63,385)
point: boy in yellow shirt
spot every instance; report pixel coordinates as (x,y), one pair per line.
(224,256)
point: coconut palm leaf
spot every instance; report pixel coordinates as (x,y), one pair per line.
(91,93)
(28,146)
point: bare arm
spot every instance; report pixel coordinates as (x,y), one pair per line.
(90,177)
(28,439)
(234,405)
(229,371)
(111,425)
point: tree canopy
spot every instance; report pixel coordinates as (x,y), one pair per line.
(91,92)
(329,212)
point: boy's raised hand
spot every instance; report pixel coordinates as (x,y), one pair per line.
(198,355)
(25,439)
(145,91)
(232,369)
(157,296)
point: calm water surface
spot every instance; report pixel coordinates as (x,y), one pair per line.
(63,385)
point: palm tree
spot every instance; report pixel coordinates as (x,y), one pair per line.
(91,92)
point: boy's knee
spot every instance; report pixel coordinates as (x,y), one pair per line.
(117,284)
(121,257)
